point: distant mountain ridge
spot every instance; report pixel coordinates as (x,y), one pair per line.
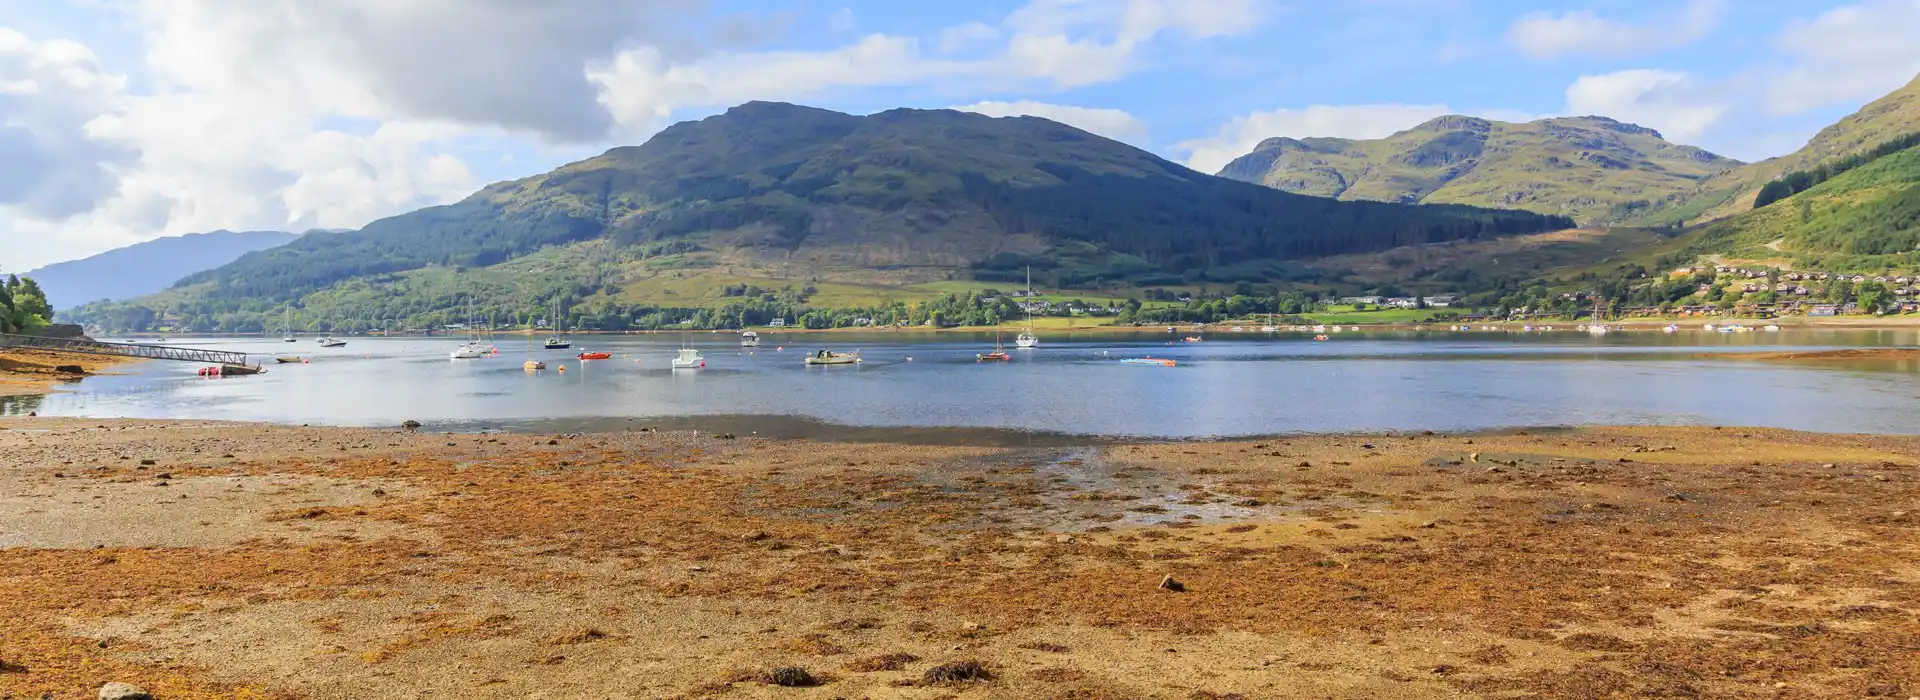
(771,184)
(1593,169)
(149,267)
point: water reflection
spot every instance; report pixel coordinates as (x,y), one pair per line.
(1074,385)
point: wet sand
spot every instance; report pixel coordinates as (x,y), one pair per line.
(33,372)
(1841,355)
(207,560)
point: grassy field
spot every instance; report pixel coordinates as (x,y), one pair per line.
(1350,316)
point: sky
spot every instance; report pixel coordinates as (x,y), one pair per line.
(127,120)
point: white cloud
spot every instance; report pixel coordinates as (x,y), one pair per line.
(1677,105)
(1584,32)
(49,90)
(294,114)
(1046,45)
(1850,53)
(1238,137)
(1111,123)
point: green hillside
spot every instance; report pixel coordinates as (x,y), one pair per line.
(772,195)
(1592,169)
(1732,192)
(1865,219)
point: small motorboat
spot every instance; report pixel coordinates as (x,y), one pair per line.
(288,360)
(689,358)
(1771,328)
(749,339)
(1322,336)
(469,351)
(1193,339)
(829,357)
(533,365)
(332,342)
(1159,361)
(558,343)
(595,356)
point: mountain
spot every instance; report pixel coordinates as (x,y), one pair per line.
(145,268)
(1593,169)
(1865,219)
(1732,192)
(776,189)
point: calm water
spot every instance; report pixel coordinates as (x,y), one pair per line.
(1229,385)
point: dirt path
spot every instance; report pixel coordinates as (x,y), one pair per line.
(205,560)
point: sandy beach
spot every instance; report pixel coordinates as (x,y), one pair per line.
(207,560)
(32,372)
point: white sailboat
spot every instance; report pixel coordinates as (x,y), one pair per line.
(473,349)
(286,327)
(1026,339)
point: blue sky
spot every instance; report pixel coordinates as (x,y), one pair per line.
(132,119)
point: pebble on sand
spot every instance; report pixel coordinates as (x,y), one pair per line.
(123,691)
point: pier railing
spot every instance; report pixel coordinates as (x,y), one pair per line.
(95,347)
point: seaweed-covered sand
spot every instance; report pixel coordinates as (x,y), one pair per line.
(202,560)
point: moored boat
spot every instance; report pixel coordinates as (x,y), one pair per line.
(1160,361)
(332,342)
(533,365)
(749,339)
(595,356)
(829,357)
(689,358)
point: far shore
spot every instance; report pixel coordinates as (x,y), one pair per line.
(1249,326)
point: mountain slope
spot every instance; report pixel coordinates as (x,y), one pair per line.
(1593,169)
(1864,220)
(1732,192)
(774,185)
(145,268)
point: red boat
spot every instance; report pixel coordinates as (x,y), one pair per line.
(596,356)
(995,356)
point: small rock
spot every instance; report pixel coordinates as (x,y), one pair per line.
(123,691)
(1170,583)
(1494,470)
(1474,457)
(755,536)
(1063,539)
(1444,670)
(147,463)
(410,426)
(970,626)
(1828,465)
(1429,525)
(164,475)
(1879,477)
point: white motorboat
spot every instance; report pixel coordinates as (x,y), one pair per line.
(689,358)
(332,342)
(749,339)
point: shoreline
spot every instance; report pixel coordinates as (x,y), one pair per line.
(37,372)
(1904,322)
(206,560)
